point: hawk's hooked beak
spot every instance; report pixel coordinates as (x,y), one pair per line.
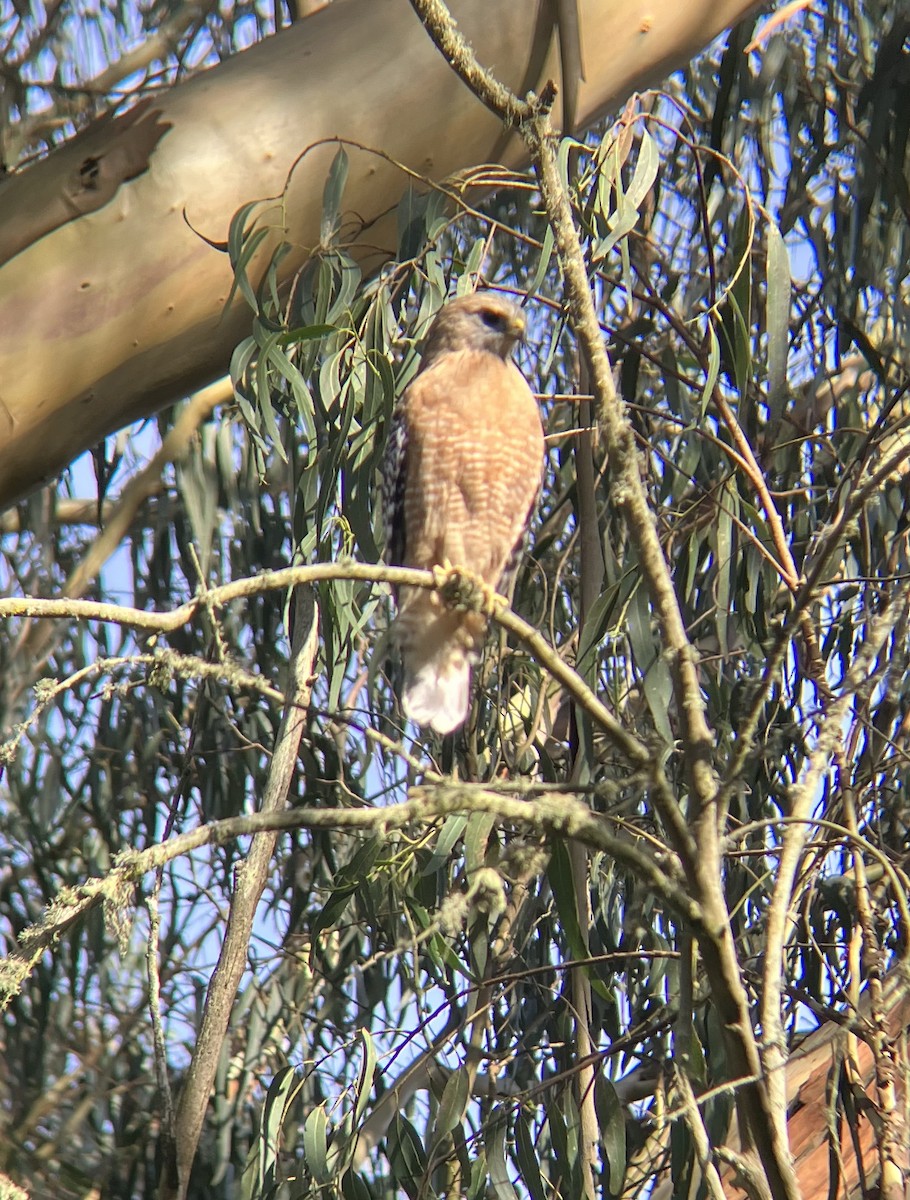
(517,327)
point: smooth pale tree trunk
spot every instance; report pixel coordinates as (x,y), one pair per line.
(112,304)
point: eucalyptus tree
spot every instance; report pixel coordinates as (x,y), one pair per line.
(642,921)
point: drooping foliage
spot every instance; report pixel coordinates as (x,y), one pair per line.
(409,1019)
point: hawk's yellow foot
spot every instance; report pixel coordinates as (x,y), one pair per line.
(465,591)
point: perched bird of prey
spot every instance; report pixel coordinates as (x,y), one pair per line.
(462,472)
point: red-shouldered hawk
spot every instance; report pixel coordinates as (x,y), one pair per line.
(462,472)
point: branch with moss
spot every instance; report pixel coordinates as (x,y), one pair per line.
(638,754)
(34,642)
(552,814)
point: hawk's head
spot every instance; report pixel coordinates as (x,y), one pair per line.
(483,321)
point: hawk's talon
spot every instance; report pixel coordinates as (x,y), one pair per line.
(443,573)
(465,591)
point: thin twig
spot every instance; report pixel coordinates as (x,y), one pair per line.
(169,1132)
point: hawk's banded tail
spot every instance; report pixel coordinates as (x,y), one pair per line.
(438,650)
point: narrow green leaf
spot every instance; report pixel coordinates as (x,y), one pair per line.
(367,1075)
(437,281)
(348,881)
(495,1142)
(238,232)
(713,368)
(354,1187)
(621,223)
(479,934)
(475,840)
(737,336)
(349,281)
(379,389)
(241,359)
(263,385)
(723,533)
(453,1103)
(315,1144)
(331,197)
(421,217)
(735,307)
(654,671)
(645,173)
(407,1157)
(626,261)
(543,262)
(250,1180)
(624,218)
(323,288)
(592,634)
(612,1123)
(526,1158)
(278,1097)
(566,146)
(437,215)
(241,279)
(445,957)
(477,1188)
(777,320)
(452,830)
(305,333)
(472,265)
(562,884)
(607,163)
(564,1137)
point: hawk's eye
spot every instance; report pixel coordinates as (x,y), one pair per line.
(492,320)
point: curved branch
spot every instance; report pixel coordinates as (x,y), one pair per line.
(249,882)
(140,488)
(553,814)
(289,577)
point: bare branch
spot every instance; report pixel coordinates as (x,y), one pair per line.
(802,800)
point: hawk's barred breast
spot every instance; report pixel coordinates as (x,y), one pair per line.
(462,473)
